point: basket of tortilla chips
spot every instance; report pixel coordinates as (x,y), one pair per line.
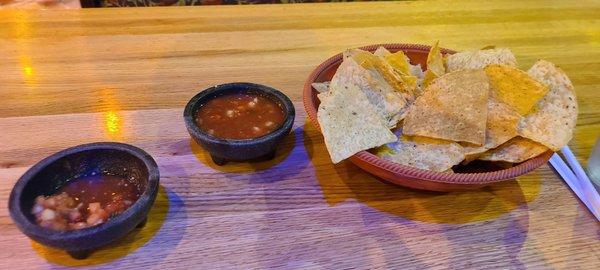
(431,118)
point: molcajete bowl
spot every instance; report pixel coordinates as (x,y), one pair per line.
(45,177)
(223,150)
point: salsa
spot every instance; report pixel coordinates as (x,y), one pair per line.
(85,202)
(240,116)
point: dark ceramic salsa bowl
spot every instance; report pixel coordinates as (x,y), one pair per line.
(45,177)
(224,150)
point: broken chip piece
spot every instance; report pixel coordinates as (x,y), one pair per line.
(555,116)
(515,87)
(480,59)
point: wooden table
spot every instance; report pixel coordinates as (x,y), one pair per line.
(72,77)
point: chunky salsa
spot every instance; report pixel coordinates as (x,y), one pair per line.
(85,202)
(240,116)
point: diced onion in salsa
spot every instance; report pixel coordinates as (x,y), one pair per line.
(240,116)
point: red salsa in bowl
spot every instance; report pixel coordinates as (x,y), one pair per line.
(239,121)
(240,116)
(85,202)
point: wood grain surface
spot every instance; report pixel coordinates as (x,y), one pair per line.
(72,77)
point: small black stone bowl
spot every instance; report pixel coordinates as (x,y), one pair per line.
(224,150)
(45,177)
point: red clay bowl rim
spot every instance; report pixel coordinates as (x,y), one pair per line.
(406,171)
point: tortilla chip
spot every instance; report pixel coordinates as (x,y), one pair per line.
(555,116)
(502,123)
(435,60)
(515,87)
(480,59)
(350,123)
(435,65)
(414,70)
(390,105)
(321,87)
(454,107)
(516,150)
(417,71)
(397,60)
(428,78)
(381,68)
(401,64)
(381,52)
(422,153)
(501,126)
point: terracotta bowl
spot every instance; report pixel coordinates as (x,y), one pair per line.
(477,175)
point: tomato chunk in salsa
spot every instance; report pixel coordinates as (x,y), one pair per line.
(85,202)
(240,116)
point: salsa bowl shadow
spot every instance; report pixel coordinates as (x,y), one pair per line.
(469,178)
(224,150)
(48,175)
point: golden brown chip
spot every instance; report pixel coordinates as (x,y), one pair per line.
(398,60)
(555,116)
(390,105)
(401,64)
(435,60)
(423,153)
(515,87)
(480,59)
(516,150)
(349,122)
(502,123)
(435,65)
(379,67)
(454,107)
